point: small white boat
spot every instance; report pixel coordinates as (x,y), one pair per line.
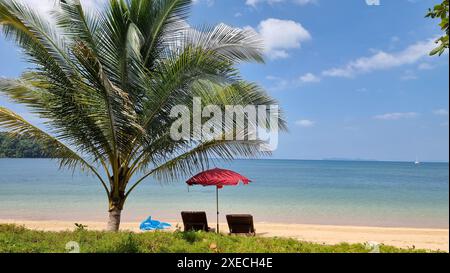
(417,162)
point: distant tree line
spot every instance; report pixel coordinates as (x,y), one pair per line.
(20,147)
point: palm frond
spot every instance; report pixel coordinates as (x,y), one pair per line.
(240,93)
(76,23)
(47,50)
(121,119)
(173,78)
(15,124)
(38,38)
(23,91)
(232,44)
(119,42)
(158,145)
(163,28)
(200,158)
(70,121)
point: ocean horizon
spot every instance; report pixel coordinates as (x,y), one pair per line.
(325,192)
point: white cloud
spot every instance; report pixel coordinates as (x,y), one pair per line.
(396,116)
(441,112)
(309,78)
(41,5)
(306,123)
(47,5)
(279,36)
(383,60)
(254,3)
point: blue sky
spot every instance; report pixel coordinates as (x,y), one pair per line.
(354,80)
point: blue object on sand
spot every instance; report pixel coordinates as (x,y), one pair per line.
(150,224)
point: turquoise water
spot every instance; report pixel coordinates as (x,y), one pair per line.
(304,192)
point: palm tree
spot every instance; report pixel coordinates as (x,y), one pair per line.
(104,84)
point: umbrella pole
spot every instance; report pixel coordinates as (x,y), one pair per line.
(217,206)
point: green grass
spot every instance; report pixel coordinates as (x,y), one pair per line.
(18,239)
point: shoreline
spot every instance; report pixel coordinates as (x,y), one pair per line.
(421,238)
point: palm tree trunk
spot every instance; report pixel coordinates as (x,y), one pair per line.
(114,219)
(116,202)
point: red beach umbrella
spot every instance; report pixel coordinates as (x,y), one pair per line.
(218,178)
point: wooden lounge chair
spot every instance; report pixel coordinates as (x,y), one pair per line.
(195,221)
(241,224)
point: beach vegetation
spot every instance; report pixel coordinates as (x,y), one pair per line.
(17,239)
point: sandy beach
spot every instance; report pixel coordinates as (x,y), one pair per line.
(432,239)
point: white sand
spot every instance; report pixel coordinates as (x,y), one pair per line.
(433,239)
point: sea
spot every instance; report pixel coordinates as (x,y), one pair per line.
(356,193)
